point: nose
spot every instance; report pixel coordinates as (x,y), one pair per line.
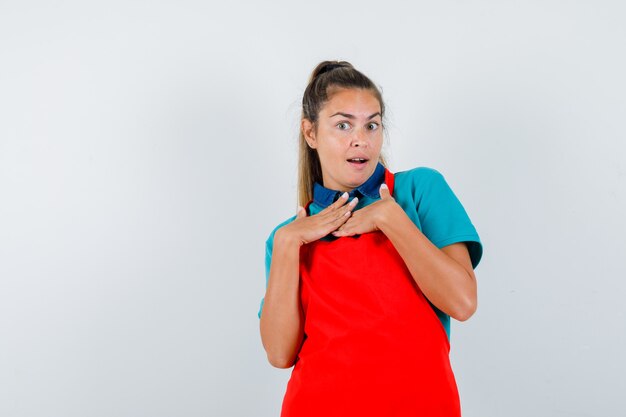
(359,138)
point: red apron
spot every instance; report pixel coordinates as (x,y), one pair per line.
(373,345)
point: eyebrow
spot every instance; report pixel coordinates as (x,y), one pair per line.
(349,116)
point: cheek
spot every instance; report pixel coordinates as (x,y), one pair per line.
(379,141)
(336,145)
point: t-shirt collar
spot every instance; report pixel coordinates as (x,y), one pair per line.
(324,197)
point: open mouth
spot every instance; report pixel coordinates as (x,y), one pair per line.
(357,160)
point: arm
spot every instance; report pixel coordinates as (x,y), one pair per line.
(282,321)
(445,276)
(282,318)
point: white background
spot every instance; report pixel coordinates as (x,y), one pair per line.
(148,148)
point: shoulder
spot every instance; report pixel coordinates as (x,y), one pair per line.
(416,180)
(270,240)
(418,173)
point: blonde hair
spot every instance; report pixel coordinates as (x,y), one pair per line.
(327,76)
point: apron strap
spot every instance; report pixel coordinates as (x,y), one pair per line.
(389,180)
(306,208)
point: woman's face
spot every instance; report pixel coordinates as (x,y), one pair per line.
(348,138)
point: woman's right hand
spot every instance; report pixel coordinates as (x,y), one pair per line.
(305,229)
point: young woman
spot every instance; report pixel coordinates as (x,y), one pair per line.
(363,280)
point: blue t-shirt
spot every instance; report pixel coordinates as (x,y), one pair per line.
(425,197)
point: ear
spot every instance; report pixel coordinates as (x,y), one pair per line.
(309,132)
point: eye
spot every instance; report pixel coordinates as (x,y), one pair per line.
(343,125)
(372,126)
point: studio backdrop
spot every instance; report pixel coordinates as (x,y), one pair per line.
(148,148)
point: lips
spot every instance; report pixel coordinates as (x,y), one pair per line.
(357,160)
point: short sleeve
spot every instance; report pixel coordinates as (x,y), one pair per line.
(269,244)
(268,261)
(444,219)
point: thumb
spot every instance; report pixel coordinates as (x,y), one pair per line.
(384,191)
(301,212)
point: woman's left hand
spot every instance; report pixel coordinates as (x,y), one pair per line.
(368,218)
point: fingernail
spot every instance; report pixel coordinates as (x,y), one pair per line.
(383,185)
(344,195)
(354,200)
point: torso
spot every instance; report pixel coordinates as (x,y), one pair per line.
(373,344)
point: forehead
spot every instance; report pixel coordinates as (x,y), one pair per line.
(358,102)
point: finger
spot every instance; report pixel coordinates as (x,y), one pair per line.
(337,215)
(384,191)
(346,210)
(340,231)
(343,231)
(341,222)
(342,228)
(300,213)
(343,215)
(343,198)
